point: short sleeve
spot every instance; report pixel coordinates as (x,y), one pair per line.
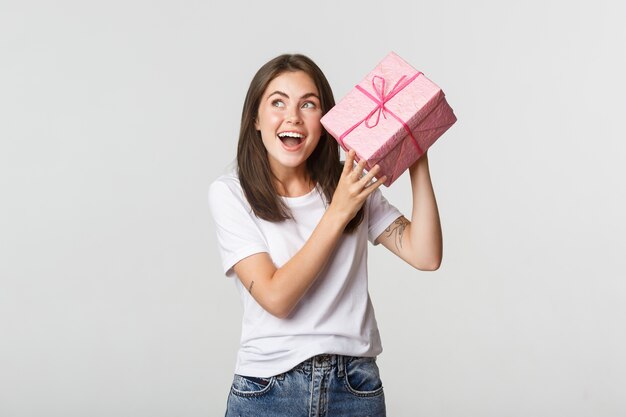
(381,214)
(238,235)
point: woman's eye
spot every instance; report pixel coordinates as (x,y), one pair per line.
(308,105)
(278,103)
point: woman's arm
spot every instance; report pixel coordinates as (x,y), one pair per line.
(418,242)
(278,290)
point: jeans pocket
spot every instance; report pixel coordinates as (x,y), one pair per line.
(247,386)
(362,377)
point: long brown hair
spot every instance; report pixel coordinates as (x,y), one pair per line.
(253,165)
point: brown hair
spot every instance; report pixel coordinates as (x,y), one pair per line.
(253,165)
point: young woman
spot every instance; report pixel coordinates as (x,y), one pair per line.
(293,225)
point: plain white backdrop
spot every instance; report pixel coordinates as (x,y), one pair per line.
(115,117)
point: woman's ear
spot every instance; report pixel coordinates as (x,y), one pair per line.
(256,123)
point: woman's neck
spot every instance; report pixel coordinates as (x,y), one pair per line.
(293,184)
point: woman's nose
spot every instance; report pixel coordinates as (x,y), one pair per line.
(294,117)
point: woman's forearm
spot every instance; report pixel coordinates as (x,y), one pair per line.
(291,281)
(278,290)
(425,229)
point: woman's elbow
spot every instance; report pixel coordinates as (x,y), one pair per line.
(279,313)
(432,264)
(281,309)
(432,267)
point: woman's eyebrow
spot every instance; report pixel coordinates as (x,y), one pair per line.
(279,93)
(307,95)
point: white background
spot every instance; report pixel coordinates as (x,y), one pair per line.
(115,117)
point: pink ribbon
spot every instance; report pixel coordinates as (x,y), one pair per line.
(380,108)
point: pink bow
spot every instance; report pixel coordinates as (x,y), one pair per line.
(380,108)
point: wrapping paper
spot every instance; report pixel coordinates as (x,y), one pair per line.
(391,117)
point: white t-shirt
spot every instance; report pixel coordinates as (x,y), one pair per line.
(335,316)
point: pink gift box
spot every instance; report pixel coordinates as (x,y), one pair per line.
(391,117)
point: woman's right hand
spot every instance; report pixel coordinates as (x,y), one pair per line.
(353,188)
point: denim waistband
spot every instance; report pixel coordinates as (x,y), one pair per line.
(323,361)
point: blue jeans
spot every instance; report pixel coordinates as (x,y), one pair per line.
(325,385)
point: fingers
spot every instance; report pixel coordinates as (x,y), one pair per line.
(373,186)
(347,166)
(358,169)
(370,175)
(366,185)
(369,187)
(356,172)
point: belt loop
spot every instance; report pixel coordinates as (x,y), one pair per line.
(280,377)
(341,366)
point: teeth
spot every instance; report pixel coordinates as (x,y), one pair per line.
(290,135)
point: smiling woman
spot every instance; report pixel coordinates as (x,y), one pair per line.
(288,120)
(293,225)
(270,94)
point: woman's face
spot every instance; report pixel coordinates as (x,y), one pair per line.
(289,120)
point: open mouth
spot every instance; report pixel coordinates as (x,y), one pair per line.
(291,139)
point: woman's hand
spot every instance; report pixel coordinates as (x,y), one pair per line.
(353,188)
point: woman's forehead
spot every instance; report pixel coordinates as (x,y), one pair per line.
(296,83)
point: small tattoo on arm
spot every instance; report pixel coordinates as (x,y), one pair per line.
(250,287)
(397,229)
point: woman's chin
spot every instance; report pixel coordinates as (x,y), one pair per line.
(288,162)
